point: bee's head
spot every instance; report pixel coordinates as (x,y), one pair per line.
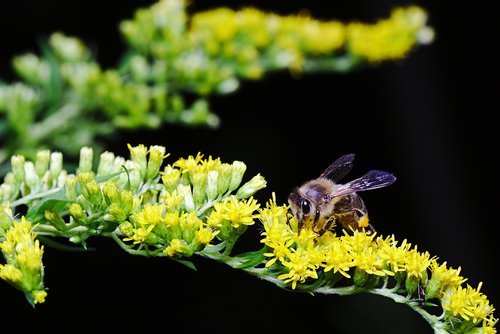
(303,208)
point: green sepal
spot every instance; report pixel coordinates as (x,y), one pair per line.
(360,277)
(411,284)
(252,258)
(30,299)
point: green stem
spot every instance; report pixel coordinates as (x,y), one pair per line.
(342,64)
(130,250)
(263,273)
(434,321)
(33,196)
(56,121)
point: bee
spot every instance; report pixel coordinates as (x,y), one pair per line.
(323,202)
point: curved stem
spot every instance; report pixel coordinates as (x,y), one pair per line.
(36,195)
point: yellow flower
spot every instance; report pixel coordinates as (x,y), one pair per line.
(369,261)
(151,214)
(338,257)
(416,263)
(393,254)
(139,234)
(172,201)
(238,212)
(205,235)
(39,296)
(468,303)
(177,247)
(300,267)
(442,278)
(188,164)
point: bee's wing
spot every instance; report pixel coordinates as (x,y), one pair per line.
(374,179)
(339,168)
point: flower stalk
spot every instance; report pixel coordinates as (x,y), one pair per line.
(201,206)
(62,91)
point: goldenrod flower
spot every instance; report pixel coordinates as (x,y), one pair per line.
(442,278)
(23,253)
(338,258)
(416,263)
(238,212)
(300,267)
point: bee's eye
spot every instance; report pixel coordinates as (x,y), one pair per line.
(305,207)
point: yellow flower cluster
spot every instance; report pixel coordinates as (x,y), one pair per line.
(195,205)
(300,256)
(23,255)
(389,39)
(248,35)
(214,48)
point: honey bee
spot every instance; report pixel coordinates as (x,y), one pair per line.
(323,202)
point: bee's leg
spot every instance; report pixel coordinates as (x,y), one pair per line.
(371,228)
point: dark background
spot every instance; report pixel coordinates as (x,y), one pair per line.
(429,119)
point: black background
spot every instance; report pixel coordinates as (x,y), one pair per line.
(429,119)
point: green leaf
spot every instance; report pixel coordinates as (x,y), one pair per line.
(104,178)
(55,203)
(187,263)
(252,258)
(60,246)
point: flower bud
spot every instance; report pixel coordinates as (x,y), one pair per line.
(129,202)
(411,284)
(224,178)
(170,177)
(211,190)
(251,187)
(106,164)
(70,186)
(75,210)
(6,219)
(17,162)
(110,192)
(126,229)
(86,156)
(32,180)
(117,212)
(139,68)
(138,155)
(178,247)
(360,277)
(237,171)
(156,156)
(6,192)
(56,164)
(199,185)
(185,192)
(433,287)
(55,220)
(134,174)
(92,192)
(32,69)
(42,162)
(61,179)
(68,48)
